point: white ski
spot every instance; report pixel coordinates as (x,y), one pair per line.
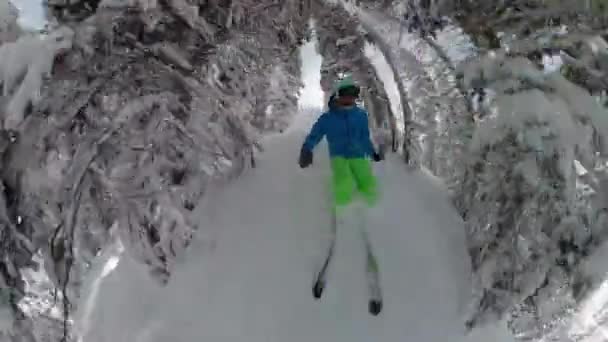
(372,272)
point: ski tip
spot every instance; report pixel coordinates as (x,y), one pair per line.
(317,290)
(375,307)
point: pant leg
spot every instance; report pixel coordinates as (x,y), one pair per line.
(343,183)
(329,256)
(365,180)
(371,263)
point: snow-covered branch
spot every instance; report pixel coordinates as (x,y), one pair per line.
(126,112)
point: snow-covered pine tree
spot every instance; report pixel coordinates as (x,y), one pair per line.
(126,112)
(9,28)
(530,224)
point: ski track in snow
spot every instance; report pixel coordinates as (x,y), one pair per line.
(273,225)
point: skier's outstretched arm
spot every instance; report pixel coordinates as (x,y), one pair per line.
(314,137)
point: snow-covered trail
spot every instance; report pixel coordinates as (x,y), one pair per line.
(250,276)
(255,283)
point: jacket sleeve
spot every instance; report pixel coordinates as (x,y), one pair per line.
(316,134)
(367,140)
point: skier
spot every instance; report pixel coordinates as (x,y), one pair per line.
(345,126)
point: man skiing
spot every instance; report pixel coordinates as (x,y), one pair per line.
(346,128)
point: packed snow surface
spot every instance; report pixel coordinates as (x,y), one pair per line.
(269,232)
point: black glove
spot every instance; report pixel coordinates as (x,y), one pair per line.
(305,158)
(377,157)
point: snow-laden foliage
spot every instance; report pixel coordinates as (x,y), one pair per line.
(512,150)
(25,63)
(125,113)
(438,115)
(523,28)
(15,250)
(527,230)
(133,108)
(9,28)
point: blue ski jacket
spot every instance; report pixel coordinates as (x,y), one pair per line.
(346,130)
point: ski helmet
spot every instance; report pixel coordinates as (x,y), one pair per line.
(347,87)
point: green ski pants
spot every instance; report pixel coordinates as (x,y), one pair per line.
(351,176)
